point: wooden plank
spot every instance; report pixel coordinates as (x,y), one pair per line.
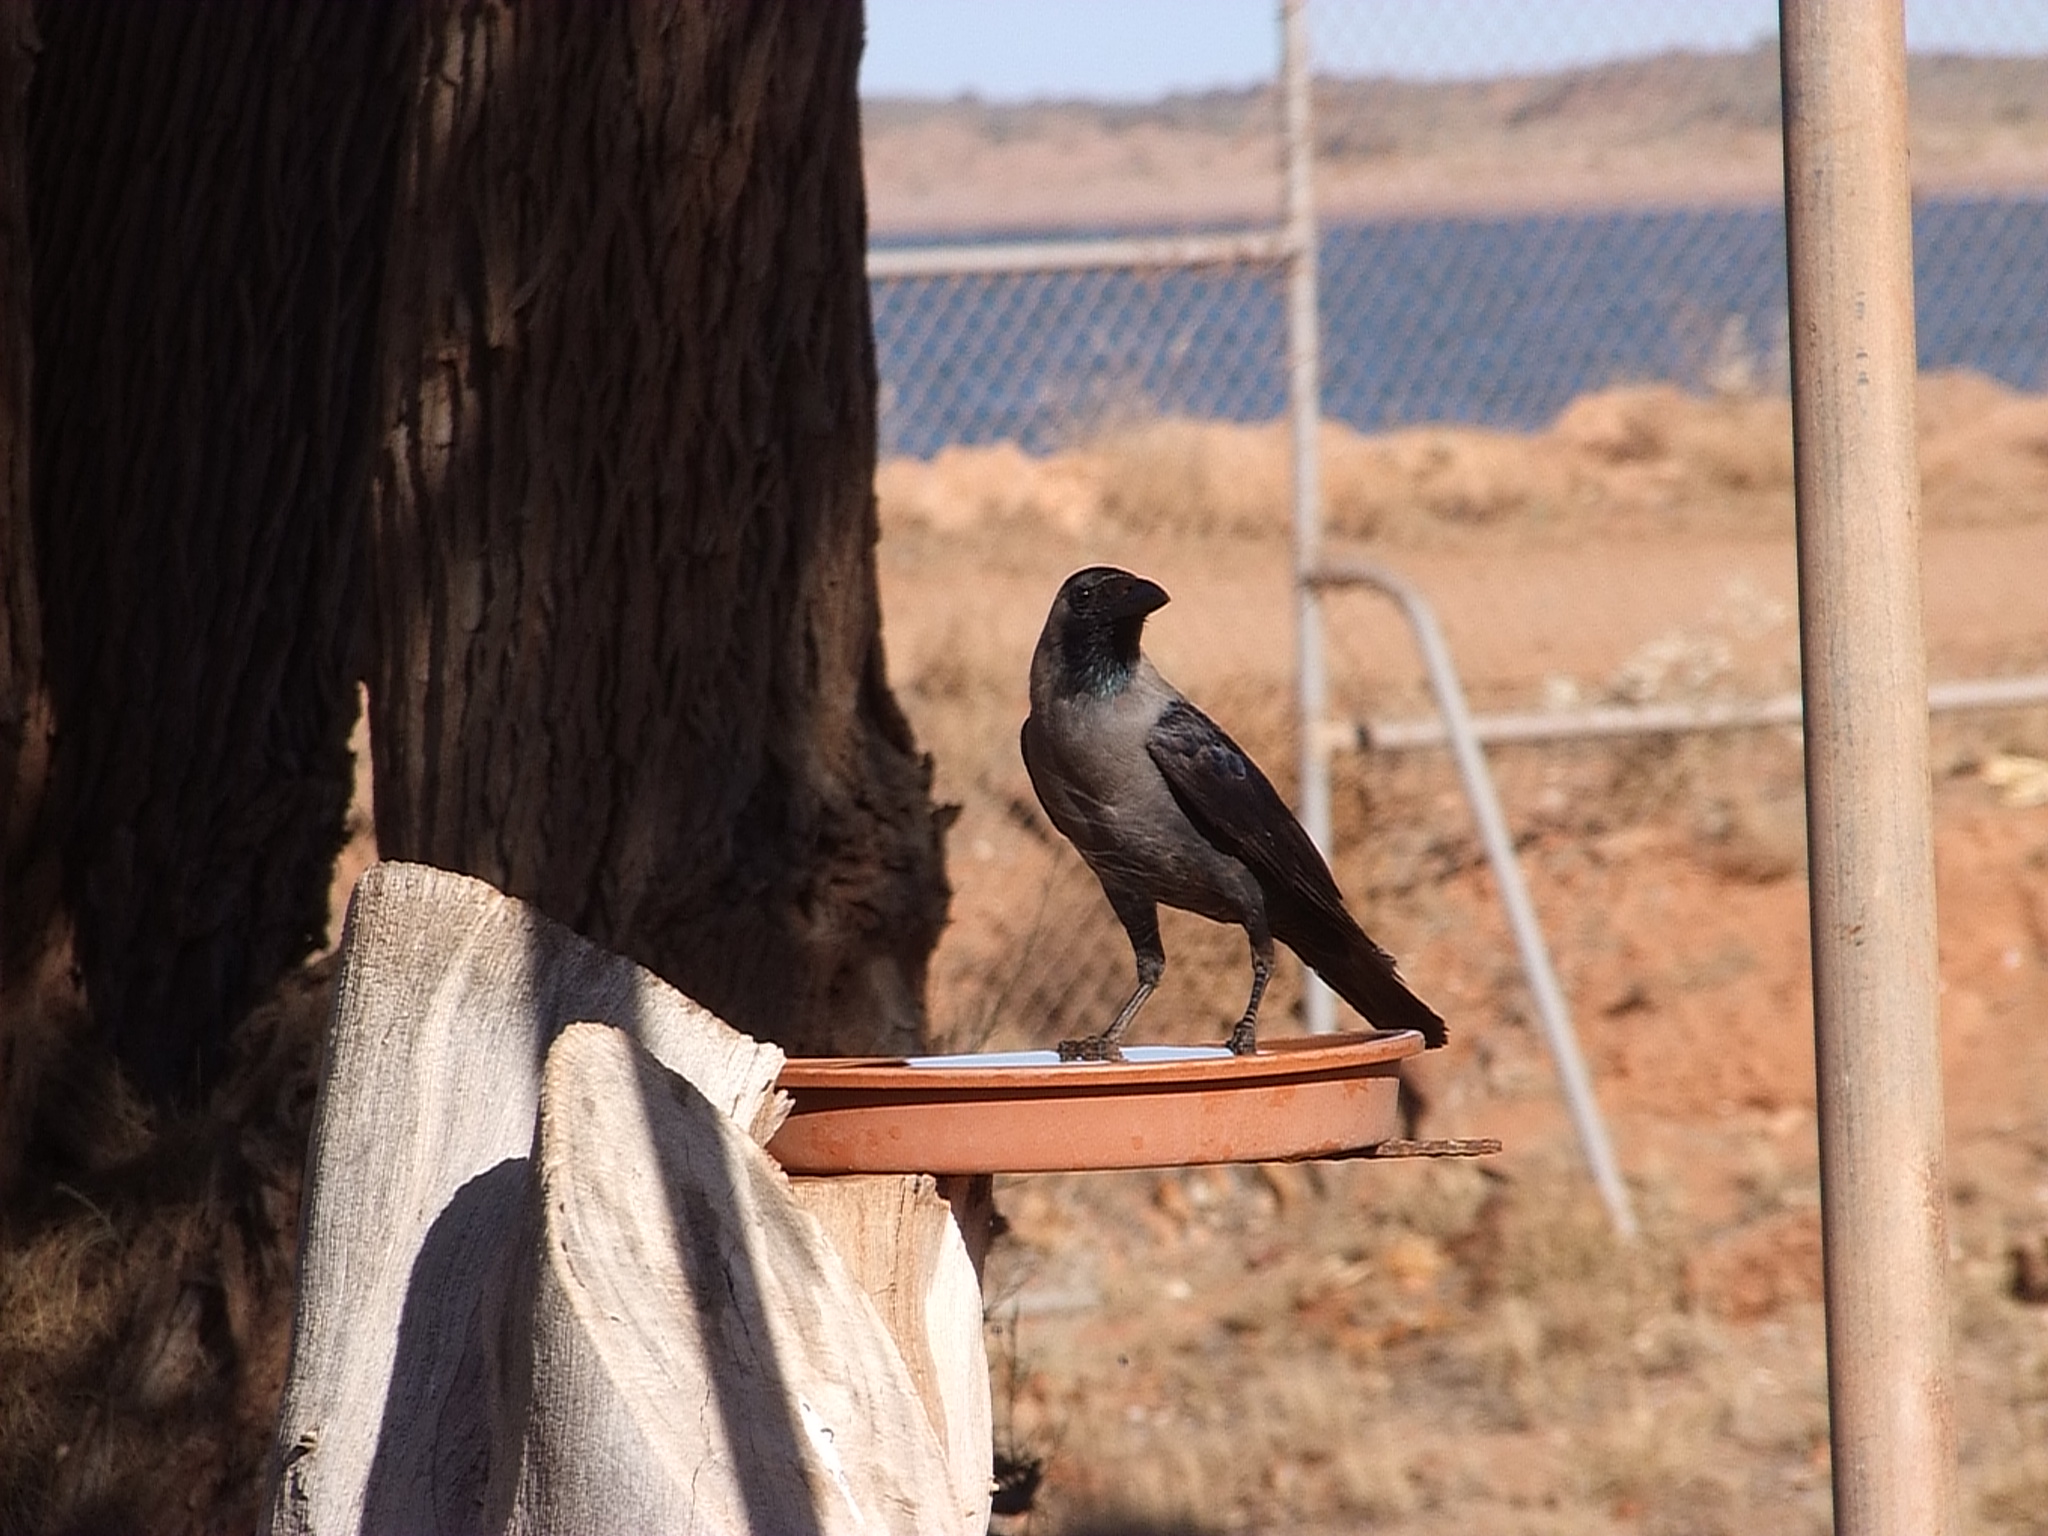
(900,1241)
(447,1270)
(696,1355)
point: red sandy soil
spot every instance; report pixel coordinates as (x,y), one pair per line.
(1463,1347)
(1432,1348)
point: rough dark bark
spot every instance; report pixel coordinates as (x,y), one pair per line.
(28,901)
(628,661)
(21,643)
(209,188)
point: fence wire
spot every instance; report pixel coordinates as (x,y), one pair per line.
(1498,319)
(1049,359)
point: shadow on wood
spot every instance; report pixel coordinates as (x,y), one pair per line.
(549,1279)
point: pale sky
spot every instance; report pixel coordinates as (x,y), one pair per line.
(1135,50)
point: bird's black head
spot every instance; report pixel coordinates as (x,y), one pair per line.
(1099,616)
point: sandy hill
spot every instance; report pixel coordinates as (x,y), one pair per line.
(1677,127)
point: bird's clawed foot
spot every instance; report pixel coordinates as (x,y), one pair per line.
(1101,1047)
(1244,1040)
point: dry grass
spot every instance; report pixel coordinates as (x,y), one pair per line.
(1442,1348)
(1437,1348)
(1446,1349)
(1451,1347)
(145,1307)
(1637,460)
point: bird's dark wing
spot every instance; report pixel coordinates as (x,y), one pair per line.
(1237,809)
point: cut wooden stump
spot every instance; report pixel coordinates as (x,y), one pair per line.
(903,1243)
(549,1280)
(699,1356)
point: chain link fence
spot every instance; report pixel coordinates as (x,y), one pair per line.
(1642,238)
(1512,215)
(1051,356)
(1502,319)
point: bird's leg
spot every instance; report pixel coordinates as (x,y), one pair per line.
(1103,1047)
(1141,922)
(1244,1039)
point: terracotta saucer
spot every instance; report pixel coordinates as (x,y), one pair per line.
(1028,1112)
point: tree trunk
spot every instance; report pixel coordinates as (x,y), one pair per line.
(628,661)
(21,641)
(209,192)
(28,901)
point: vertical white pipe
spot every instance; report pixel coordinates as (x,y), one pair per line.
(1869,813)
(1304,400)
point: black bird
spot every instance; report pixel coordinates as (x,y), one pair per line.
(1166,808)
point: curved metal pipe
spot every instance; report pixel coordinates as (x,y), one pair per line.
(1551,1011)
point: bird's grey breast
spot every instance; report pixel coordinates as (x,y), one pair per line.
(1091,760)
(1093,751)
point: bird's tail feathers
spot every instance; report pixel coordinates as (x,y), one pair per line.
(1363,974)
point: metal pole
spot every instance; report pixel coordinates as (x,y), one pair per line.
(1551,1013)
(1304,401)
(1144,253)
(1869,813)
(1676,719)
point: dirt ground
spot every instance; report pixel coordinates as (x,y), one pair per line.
(1417,1347)
(1454,1347)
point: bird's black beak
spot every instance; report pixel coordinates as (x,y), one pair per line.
(1133,598)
